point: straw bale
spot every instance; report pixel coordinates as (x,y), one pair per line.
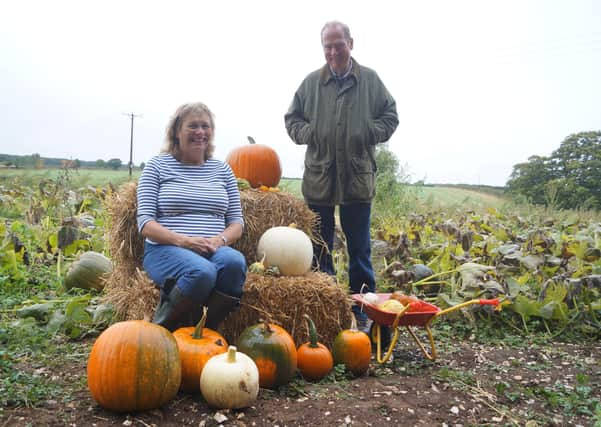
(126,245)
(265,209)
(132,293)
(285,300)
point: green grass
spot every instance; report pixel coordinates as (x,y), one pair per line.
(452,196)
(79,178)
(291,185)
(436,196)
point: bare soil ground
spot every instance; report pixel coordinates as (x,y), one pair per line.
(469,384)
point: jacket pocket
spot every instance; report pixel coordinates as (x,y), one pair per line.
(308,134)
(362,180)
(372,134)
(317,183)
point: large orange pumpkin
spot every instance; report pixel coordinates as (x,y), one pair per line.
(256,163)
(197,345)
(352,348)
(134,366)
(273,351)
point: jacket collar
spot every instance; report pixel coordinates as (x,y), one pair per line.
(326,76)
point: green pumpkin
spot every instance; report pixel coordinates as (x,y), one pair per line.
(89,271)
(273,350)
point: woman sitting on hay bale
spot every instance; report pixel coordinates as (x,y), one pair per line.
(189,211)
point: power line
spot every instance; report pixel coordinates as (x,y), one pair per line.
(131,141)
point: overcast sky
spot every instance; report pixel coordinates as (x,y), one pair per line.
(480,85)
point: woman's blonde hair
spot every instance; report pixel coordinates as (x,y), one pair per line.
(175,125)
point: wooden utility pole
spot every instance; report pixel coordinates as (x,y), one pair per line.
(131,141)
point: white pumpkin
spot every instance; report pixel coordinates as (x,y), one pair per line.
(230,380)
(287,248)
(371,298)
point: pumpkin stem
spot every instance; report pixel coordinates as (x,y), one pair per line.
(312,332)
(197,334)
(353,324)
(251,140)
(231,354)
(266,324)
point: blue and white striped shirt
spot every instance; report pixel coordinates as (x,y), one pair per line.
(188,199)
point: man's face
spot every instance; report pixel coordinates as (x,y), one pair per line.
(336,48)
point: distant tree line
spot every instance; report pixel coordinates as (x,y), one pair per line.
(570,178)
(35,161)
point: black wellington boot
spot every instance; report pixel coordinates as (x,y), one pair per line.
(219,305)
(165,290)
(173,309)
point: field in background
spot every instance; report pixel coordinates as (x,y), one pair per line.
(443,195)
(435,196)
(429,195)
(78,178)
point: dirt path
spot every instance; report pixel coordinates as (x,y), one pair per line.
(470,384)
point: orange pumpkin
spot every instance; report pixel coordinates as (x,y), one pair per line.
(196,346)
(256,163)
(273,351)
(134,366)
(352,348)
(402,298)
(314,359)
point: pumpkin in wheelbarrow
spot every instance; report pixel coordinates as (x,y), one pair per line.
(417,314)
(391,305)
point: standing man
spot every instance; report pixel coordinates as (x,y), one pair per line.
(340,112)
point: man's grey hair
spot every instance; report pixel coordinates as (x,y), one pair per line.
(345,29)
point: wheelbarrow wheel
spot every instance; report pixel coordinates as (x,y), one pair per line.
(385,336)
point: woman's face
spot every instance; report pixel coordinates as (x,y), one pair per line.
(194,135)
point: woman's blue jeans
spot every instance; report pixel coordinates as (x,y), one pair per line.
(196,275)
(355,222)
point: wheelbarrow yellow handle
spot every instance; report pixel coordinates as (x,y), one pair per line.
(494,301)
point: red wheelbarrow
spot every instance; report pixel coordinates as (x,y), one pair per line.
(421,315)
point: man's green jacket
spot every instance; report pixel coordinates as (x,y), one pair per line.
(341,123)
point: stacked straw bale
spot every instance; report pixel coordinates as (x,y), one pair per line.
(265,209)
(283,300)
(131,292)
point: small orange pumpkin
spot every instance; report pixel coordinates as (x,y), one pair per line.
(134,366)
(256,163)
(273,351)
(196,346)
(402,298)
(314,359)
(352,348)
